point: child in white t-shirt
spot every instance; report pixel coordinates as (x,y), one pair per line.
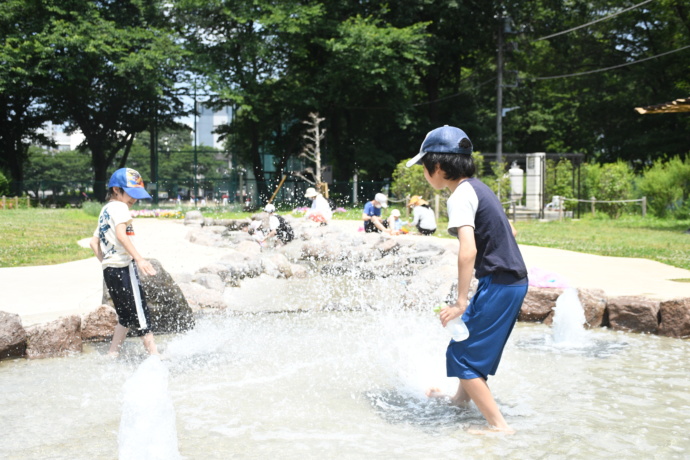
(112,244)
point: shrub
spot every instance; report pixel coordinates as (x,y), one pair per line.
(4,185)
(609,182)
(559,181)
(667,187)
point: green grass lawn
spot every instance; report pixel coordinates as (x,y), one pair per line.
(43,236)
(629,236)
(49,236)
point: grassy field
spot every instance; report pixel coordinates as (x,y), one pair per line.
(43,236)
(49,236)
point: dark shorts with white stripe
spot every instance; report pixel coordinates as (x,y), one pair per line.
(130,305)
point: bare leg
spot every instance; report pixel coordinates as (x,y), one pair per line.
(461,398)
(150,344)
(119,336)
(478,390)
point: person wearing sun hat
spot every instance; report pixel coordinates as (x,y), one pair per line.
(320,210)
(372,214)
(487,249)
(424,217)
(121,262)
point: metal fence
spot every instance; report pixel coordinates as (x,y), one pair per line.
(209,190)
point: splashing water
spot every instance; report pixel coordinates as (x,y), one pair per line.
(147,427)
(569,319)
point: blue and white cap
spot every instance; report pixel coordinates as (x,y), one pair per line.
(131,182)
(446,139)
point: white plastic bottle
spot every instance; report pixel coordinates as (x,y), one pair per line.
(456,327)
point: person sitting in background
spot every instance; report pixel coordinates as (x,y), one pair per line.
(395,224)
(372,214)
(278,226)
(320,210)
(424,217)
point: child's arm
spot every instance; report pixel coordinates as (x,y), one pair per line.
(466,256)
(143,264)
(95,245)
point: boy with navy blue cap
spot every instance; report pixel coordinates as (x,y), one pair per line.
(113,246)
(487,248)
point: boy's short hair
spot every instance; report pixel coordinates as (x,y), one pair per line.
(454,167)
(110,193)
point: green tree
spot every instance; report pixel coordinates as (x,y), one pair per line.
(559,181)
(113,70)
(22,111)
(666,184)
(609,182)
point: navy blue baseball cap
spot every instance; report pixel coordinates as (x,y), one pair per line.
(445,139)
(131,182)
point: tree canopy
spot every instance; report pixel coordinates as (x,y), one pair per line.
(380,73)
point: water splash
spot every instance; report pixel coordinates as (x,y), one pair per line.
(569,319)
(147,427)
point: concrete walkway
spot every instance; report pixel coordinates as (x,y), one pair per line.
(43,293)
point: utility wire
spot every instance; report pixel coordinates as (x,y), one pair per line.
(593,22)
(612,67)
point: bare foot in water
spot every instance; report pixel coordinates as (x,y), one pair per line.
(489,430)
(435,392)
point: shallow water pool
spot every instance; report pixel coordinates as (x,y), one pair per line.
(305,385)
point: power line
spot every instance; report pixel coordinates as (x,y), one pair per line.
(612,67)
(593,22)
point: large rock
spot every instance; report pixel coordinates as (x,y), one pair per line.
(169,309)
(632,313)
(99,324)
(194,218)
(675,318)
(61,337)
(210,281)
(594,303)
(199,297)
(12,336)
(538,303)
(242,265)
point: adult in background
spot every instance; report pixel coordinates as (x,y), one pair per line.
(424,217)
(372,214)
(320,210)
(278,226)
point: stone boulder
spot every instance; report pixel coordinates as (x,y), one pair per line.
(277,265)
(199,297)
(242,265)
(675,318)
(388,246)
(594,303)
(322,250)
(215,269)
(98,324)
(632,313)
(12,336)
(210,281)
(194,218)
(61,337)
(170,311)
(538,303)
(202,238)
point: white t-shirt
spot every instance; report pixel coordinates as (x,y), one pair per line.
(112,214)
(320,205)
(462,207)
(424,217)
(273,223)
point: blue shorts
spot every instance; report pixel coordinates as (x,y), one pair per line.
(490,317)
